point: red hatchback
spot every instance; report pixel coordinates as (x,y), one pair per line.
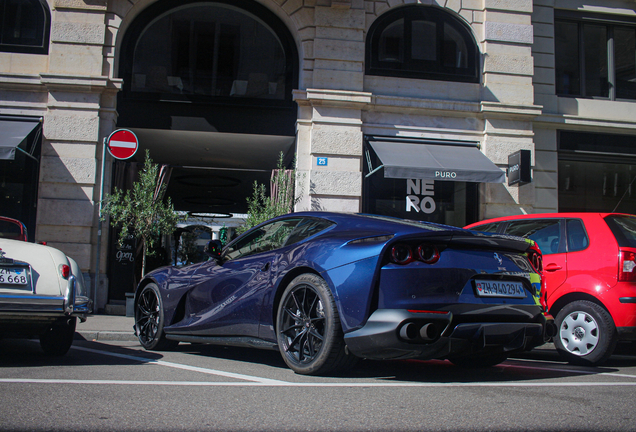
(588,266)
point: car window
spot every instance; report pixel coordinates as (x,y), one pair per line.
(577,237)
(11,230)
(546,232)
(490,227)
(306,228)
(266,238)
(624,229)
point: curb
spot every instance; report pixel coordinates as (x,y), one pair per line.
(105,336)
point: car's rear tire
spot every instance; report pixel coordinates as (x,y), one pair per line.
(149,320)
(57,340)
(308,329)
(586,334)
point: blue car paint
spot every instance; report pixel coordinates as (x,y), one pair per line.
(238,298)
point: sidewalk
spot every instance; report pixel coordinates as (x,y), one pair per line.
(107,327)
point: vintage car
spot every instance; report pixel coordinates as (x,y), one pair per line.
(42,294)
(326,289)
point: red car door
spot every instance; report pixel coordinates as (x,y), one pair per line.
(549,234)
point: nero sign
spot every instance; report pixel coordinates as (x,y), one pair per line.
(419,196)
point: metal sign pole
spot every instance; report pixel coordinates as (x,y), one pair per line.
(99,227)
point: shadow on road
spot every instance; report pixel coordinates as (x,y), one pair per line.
(538,364)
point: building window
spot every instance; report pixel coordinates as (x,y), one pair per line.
(422,42)
(595,55)
(25,26)
(597,172)
(213,49)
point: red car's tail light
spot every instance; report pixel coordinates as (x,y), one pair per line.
(626,266)
(65,271)
(428,253)
(401,254)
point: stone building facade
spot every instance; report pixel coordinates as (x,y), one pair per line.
(340,105)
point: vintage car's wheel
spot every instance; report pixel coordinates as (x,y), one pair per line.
(482,361)
(149,320)
(586,334)
(57,340)
(310,336)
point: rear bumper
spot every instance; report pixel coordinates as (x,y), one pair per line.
(69,304)
(397,333)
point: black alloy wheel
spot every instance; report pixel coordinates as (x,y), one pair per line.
(310,336)
(149,320)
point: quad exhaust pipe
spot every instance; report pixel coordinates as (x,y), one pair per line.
(426,332)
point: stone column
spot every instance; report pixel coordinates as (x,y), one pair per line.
(76,82)
(330,110)
(507,106)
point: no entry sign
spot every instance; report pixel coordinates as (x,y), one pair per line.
(122,144)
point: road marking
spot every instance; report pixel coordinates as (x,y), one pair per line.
(573,371)
(275,383)
(182,366)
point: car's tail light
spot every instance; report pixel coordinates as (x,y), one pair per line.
(428,253)
(404,254)
(401,254)
(626,266)
(65,271)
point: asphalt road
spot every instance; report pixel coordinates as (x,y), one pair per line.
(117,386)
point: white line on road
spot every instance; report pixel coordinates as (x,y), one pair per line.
(274,383)
(185,367)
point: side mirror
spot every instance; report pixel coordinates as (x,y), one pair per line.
(213,249)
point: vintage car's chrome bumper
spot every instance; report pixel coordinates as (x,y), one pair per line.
(69,304)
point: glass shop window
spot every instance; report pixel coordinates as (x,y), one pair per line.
(422,42)
(210,50)
(595,55)
(597,172)
(24,26)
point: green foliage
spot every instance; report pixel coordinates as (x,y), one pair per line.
(141,212)
(261,207)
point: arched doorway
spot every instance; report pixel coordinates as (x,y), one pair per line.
(208,91)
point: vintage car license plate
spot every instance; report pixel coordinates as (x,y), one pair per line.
(13,276)
(489,288)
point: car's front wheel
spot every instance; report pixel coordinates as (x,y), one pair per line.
(586,334)
(57,340)
(149,320)
(310,336)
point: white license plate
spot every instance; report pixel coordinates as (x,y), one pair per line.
(489,288)
(13,276)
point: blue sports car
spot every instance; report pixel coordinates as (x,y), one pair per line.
(327,289)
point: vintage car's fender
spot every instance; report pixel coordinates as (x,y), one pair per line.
(45,261)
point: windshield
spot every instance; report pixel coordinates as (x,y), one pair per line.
(624,229)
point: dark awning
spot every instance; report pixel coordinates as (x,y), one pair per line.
(213,172)
(12,134)
(213,149)
(464,163)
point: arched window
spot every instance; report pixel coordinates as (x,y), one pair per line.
(24,26)
(208,50)
(422,42)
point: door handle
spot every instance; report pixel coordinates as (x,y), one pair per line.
(265,267)
(552,267)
